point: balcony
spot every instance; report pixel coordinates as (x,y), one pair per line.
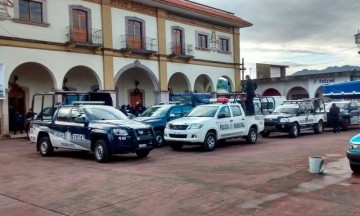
(138,45)
(84,38)
(181,50)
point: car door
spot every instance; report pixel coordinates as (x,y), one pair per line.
(80,132)
(302,115)
(223,122)
(354,113)
(60,128)
(238,123)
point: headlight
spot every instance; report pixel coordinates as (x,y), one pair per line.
(284,120)
(167,126)
(196,126)
(355,146)
(120,132)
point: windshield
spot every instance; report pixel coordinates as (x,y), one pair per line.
(105,113)
(344,105)
(286,110)
(203,111)
(156,111)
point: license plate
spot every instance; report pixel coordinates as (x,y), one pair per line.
(142,146)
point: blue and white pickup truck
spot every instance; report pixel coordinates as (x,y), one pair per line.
(103,130)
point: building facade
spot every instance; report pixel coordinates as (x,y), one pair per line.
(138,50)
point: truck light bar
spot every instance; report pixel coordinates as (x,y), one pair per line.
(219,100)
(88,102)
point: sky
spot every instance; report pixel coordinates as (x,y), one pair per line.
(306,34)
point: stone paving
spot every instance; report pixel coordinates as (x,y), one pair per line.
(268,178)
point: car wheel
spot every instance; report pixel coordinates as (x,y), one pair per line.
(159,139)
(209,142)
(294,130)
(176,146)
(265,133)
(355,168)
(46,148)
(252,136)
(319,127)
(142,153)
(101,151)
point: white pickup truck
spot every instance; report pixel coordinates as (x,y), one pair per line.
(209,124)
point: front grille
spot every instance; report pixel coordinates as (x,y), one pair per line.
(178,136)
(142,132)
(178,127)
(270,123)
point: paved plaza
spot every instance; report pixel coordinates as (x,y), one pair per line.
(267,178)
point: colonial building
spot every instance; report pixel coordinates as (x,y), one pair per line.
(138,50)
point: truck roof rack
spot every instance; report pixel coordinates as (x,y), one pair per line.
(88,102)
(170,102)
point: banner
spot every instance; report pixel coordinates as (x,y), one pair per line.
(2,81)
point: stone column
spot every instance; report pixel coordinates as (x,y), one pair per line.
(236,48)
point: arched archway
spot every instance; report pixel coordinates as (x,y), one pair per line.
(271,92)
(224,84)
(179,83)
(24,81)
(296,93)
(203,84)
(136,82)
(81,78)
(319,92)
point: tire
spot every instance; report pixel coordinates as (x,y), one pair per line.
(251,138)
(265,133)
(355,168)
(294,130)
(210,142)
(142,153)
(345,124)
(176,146)
(101,151)
(319,127)
(159,139)
(45,146)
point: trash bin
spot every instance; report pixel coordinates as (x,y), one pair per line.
(316,164)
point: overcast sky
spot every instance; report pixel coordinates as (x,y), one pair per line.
(306,34)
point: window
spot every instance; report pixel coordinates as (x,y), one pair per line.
(225,110)
(63,114)
(177,40)
(79,26)
(224,45)
(77,113)
(202,41)
(236,111)
(176,111)
(186,109)
(30,11)
(134,34)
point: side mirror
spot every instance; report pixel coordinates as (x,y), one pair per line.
(221,115)
(80,120)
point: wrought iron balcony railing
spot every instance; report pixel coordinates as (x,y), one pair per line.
(181,50)
(84,36)
(138,44)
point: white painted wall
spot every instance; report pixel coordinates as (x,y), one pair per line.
(57,16)
(190,38)
(194,71)
(119,25)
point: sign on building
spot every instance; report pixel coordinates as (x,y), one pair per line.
(4,13)
(2,81)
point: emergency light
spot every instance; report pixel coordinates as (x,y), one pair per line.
(219,100)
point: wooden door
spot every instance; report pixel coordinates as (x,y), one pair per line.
(16,104)
(134,37)
(135,96)
(177,41)
(79,28)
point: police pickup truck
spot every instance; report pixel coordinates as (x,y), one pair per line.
(103,130)
(296,115)
(209,124)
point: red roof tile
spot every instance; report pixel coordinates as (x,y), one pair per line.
(206,10)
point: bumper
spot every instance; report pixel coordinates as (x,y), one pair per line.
(191,136)
(282,127)
(121,145)
(353,156)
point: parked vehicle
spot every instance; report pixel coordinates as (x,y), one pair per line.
(209,124)
(88,126)
(158,115)
(353,153)
(349,113)
(296,115)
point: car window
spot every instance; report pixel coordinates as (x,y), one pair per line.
(203,111)
(176,111)
(105,113)
(225,110)
(157,111)
(236,111)
(63,114)
(76,113)
(186,109)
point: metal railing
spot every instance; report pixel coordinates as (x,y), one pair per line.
(86,36)
(181,49)
(132,42)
